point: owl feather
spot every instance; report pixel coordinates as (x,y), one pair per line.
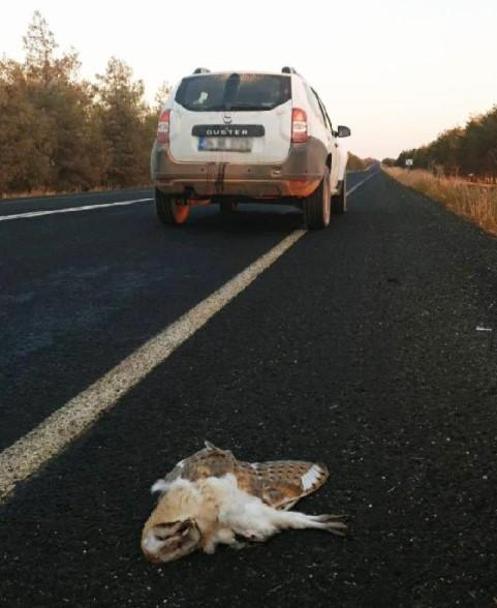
(279,483)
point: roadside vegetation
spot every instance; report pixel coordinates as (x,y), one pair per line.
(476,202)
(459,169)
(59,132)
(355,163)
(468,152)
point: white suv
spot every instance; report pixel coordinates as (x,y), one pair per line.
(234,137)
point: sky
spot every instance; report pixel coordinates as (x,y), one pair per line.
(397,73)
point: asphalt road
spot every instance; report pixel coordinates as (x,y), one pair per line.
(359,347)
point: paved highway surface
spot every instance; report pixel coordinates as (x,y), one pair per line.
(366,346)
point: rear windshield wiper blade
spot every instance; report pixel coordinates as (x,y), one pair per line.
(247,106)
(230,108)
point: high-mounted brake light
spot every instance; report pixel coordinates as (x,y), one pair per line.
(163,127)
(299,126)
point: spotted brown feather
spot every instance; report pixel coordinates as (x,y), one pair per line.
(280,483)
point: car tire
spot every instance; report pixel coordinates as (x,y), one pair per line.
(171,210)
(317,206)
(339,201)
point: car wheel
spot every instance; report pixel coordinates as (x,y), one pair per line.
(317,206)
(171,210)
(339,201)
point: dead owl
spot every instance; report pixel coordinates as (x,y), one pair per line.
(211,498)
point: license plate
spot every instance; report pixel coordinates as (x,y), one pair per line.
(224,144)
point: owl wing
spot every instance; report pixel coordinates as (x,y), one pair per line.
(280,483)
(209,462)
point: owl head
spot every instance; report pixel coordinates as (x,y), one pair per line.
(169,540)
(170,532)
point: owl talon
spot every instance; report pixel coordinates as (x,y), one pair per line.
(342,531)
(328,517)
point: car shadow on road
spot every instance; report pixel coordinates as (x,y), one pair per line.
(245,220)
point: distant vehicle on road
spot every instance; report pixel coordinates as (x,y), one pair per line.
(233,137)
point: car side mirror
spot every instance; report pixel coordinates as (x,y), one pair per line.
(343,131)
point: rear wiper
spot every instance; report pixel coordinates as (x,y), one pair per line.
(247,106)
(210,109)
(232,108)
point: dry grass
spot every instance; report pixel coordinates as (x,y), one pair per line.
(474,202)
(41,192)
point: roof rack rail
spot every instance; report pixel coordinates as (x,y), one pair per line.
(288,70)
(201,71)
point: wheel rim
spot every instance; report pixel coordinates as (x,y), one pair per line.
(180,213)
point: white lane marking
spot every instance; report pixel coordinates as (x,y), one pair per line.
(28,214)
(362,182)
(36,448)
(29,453)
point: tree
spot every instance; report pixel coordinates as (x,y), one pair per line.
(26,135)
(122,114)
(354,163)
(471,150)
(58,132)
(54,89)
(161,96)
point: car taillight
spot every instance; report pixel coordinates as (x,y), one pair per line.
(299,126)
(163,127)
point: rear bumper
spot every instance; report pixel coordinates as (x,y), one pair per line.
(298,176)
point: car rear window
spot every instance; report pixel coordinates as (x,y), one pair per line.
(233,92)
